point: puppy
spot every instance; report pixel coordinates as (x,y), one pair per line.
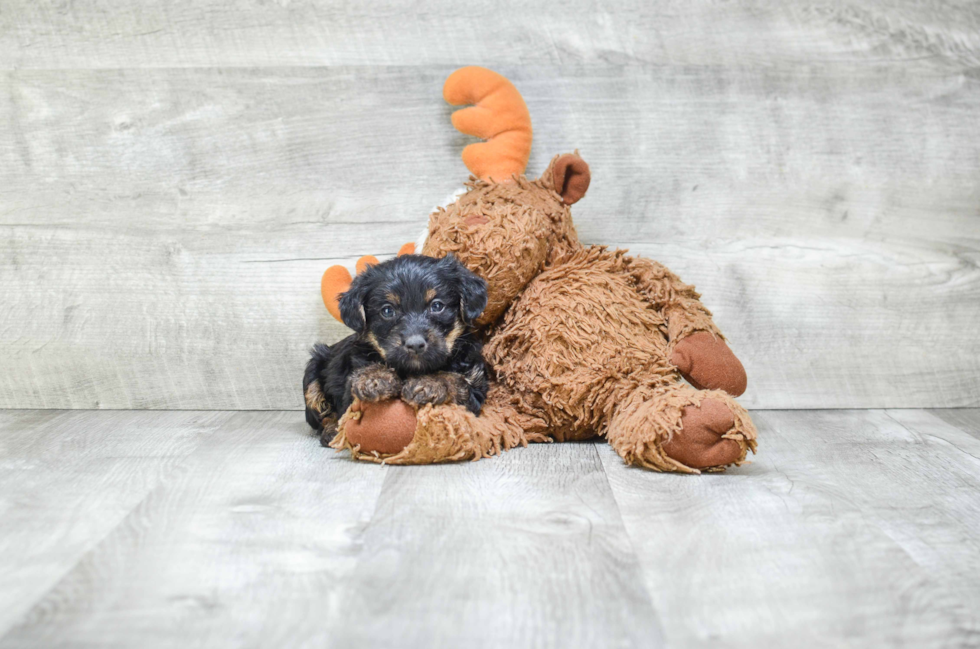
(413,322)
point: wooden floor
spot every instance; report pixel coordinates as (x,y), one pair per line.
(187,529)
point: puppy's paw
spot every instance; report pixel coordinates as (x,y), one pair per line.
(328,432)
(375,383)
(429,388)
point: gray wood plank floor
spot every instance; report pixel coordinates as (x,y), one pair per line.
(193,529)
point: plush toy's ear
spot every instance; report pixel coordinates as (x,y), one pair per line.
(571,177)
(352,302)
(472,288)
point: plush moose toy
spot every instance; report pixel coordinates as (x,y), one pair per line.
(582,341)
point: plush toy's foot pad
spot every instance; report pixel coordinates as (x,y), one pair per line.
(708,364)
(700,444)
(384,427)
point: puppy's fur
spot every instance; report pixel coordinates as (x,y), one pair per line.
(413,322)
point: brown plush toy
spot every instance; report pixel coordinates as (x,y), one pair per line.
(582,341)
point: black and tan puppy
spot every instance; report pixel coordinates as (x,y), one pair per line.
(412,317)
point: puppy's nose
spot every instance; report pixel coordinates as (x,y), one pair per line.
(415,344)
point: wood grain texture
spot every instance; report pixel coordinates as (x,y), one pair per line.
(851,528)
(213,33)
(163,225)
(966,419)
(68,479)
(246,544)
(163,529)
(525,550)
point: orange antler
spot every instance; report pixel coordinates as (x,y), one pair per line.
(498,115)
(337,279)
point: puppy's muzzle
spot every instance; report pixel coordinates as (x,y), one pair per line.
(416,344)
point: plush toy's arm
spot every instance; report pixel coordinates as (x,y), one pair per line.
(695,345)
(679,302)
(395,433)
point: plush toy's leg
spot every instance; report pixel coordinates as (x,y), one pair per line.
(446,433)
(678,428)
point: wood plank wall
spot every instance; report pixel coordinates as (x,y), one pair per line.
(175,176)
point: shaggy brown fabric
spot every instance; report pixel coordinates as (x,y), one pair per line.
(650,430)
(447,433)
(582,341)
(526,226)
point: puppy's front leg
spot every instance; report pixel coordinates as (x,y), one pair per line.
(375,383)
(437,389)
(328,432)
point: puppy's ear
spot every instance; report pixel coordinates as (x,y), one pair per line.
(472,289)
(352,303)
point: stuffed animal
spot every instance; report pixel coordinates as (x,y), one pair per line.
(583,341)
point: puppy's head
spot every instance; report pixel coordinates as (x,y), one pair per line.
(413,309)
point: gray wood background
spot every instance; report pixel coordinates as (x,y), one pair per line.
(175,176)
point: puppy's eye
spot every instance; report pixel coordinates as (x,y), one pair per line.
(436,306)
(387,312)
